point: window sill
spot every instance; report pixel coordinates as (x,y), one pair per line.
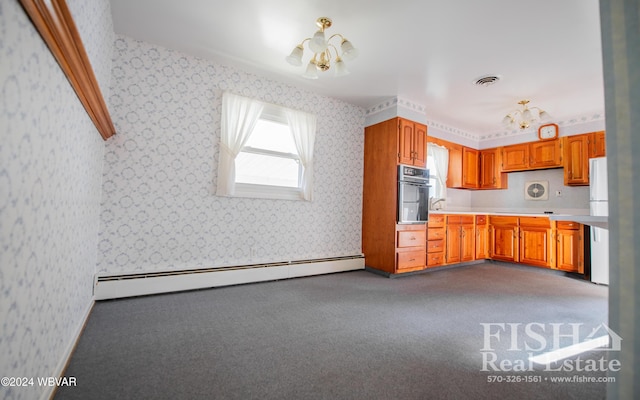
(267,192)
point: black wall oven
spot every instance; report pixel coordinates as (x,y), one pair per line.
(413,195)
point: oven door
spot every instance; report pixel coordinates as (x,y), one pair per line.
(413,203)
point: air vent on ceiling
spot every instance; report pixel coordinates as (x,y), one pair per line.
(536,190)
(487,80)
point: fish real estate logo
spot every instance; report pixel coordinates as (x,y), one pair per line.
(536,346)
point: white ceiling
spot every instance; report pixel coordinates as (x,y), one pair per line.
(427,52)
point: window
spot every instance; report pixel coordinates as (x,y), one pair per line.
(273,150)
(438,165)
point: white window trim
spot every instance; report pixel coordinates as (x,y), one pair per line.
(267,192)
(303,192)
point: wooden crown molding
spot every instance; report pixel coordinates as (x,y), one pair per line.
(55,24)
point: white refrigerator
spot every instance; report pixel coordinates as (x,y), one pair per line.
(599,206)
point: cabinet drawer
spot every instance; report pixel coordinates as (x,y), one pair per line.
(411,259)
(542,222)
(481,219)
(466,219)
(434,246)
(436,233)
(499,220)
(435,259)
(411,238)
(567,225)
(436,221)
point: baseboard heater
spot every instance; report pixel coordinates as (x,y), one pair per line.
(118,286)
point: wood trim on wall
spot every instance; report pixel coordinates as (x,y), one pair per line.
(55,24)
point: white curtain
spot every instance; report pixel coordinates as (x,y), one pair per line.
(239,117)
(440,157)
(303,129)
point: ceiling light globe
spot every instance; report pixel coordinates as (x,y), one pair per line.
(318,44)
(348,51)
(311,72)
(295,58)
(544,116)
(341,68)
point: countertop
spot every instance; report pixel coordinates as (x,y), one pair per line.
(577,215)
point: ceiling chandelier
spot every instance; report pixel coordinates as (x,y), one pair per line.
(525,117)
(322,56)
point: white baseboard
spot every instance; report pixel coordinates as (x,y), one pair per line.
(66,356)
(107,287)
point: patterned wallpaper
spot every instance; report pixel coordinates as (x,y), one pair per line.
(159,210)
(50,190)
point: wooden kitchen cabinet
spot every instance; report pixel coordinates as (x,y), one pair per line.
(436,234)
(490,170)
(482,237)
(515,157)
(460,242)
(380,232)
(463,167)
(545,154)
(570,246)
(597,144)
(536,242)
(503,238)
(576,160)
(532,155)
(412,143)
(411,251)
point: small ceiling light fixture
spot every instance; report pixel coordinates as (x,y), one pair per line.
(525,117)
(321,60)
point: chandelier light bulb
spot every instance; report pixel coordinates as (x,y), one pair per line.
(311,72)
(318,44)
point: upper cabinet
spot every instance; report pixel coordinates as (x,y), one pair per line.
(576,160)
(412,143)
(463,167)
(490,171)
(597,144)
(515,157)
(533,155)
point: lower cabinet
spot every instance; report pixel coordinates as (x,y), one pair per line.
(411,252)
(482,237)
(570,247)
(536,243)
(460,239)
(436,236)
(503,238)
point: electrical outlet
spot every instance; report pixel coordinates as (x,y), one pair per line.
(558,193)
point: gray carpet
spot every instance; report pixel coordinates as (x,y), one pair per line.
(353,335)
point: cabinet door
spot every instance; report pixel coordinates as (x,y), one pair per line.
(468,243)
(469,168)
(453,243)
(482,237)
(504,240)
(405,142)
(420,145)
(545,154)
(515,157)
(570,250)
(576,161)
(535,246)
(597,145)
(491,176)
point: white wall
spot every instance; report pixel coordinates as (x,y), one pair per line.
(51,159)
(159,210)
